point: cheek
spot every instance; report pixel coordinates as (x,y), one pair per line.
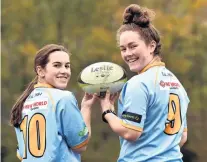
(50,74)
(49,77)
(69,72)
(122,55)
(143,52)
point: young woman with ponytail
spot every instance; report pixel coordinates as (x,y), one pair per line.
(48,123)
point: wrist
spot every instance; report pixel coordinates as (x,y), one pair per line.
(107,112)
(86,107)
(86,110)
(105,108)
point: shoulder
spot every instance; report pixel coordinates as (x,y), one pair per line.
(135,85)
(58,94)
(62,98)
(67,97)
(135,82)
(142,83)
(144,79)
(67,101)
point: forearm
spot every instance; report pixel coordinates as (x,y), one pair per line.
(86,113)
(118,128)
(181,143)
(183,139)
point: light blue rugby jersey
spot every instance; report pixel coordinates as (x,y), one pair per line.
(51,125)
(155,103)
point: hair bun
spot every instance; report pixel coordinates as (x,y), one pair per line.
(137,15)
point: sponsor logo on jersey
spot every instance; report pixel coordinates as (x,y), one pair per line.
(131,116)
(166,85)
(35,95)
(83,132)
(167,74)
(35,104)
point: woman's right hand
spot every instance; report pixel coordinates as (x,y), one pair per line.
(108,101)
(88,100)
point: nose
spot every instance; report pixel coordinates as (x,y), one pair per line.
(128,52)
(65,70)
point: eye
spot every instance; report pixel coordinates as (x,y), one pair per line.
(133,46)
(67,66)
(122,49)
(57,65)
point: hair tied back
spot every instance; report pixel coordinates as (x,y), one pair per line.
(137,15)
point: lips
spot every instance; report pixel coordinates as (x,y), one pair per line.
(62,77)
(131,60)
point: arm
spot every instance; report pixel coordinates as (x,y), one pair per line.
(183,138)
(128,129)
(71,124)
(86,113)
(80,150)
(118,128)
(86,105)
(184,134)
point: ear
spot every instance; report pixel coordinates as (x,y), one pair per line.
(152,46)
(40,71)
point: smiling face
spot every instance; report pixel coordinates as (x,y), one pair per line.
(57,72)
(134,51)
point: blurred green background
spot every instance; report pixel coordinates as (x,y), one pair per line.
(88,29)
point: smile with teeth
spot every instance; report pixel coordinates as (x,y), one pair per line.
(62,77)
(132,60)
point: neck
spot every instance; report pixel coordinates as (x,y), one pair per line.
(156,61)
(41,84)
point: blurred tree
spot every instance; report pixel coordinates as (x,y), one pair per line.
(4,153)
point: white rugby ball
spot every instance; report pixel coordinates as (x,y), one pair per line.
(100,76)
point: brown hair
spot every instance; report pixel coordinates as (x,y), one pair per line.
(41,59)
(136,18)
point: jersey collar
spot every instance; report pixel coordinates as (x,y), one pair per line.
(42,85)
(155,62)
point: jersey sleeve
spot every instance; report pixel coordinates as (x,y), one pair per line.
(73,127)
(134,105)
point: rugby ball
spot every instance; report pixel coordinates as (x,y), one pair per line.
(100,76)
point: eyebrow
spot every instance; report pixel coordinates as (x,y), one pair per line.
(57,62)
(127,44)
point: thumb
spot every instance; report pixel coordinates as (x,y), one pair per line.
(107,93)
(95,96)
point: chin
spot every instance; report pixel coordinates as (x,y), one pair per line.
(134,69)
(61,86)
